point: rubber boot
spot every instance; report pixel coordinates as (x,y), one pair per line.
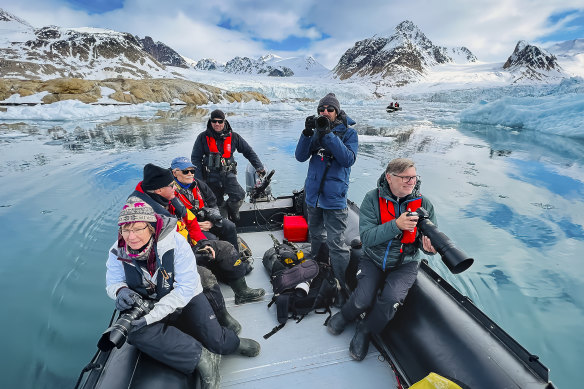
(245,294)
(208,368)
(340,300)
(360,342)
(226,320)
(248,347)
(233,207)
(337,324)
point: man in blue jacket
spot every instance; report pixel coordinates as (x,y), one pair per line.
(331,145)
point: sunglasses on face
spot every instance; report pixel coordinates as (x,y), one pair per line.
(328,109)
(220,121)
(188,171)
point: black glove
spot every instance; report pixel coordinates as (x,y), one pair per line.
(309,125)
(323,131)
(125,299)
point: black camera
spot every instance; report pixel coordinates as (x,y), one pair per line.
(210,214)
(454,259)
(116,335)
(320,122)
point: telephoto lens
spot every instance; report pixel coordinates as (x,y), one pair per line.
(116,335)
(302,288)
(454,259)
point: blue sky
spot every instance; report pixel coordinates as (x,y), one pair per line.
(325,30)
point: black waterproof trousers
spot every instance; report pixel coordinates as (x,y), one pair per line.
(176,341)
(379,292)
(225,183)
(227,264)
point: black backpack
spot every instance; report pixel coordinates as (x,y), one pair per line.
(301,285)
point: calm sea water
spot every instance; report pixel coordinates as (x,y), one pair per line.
(512,200)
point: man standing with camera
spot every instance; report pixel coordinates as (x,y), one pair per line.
(391,244)
(214,163)
(331,145)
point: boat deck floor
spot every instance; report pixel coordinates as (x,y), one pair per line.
(300,355)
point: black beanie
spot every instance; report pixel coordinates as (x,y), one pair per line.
(331,101)
(156,177)
(217,114)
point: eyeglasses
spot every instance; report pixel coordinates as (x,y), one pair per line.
(220,121)
(328,109)
(188,171)
(127,231)
(407,179)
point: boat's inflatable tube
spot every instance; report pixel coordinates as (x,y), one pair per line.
(439,330)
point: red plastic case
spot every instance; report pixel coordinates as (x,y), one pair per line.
(295,228)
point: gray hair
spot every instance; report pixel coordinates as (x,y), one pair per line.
(399,165)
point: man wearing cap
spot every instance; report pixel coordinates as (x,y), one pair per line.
(152,260)
(214,163)
(331,145)
(200,199)
(157,189)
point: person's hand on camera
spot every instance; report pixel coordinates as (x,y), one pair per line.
(207,250)
(323,131)
(261,173)
(137,324)
(309,126)
(125,299)
(206,225)
(427,245)
(405,222)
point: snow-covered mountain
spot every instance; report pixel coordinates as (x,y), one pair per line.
(399,58)
(52,52)
(163,53)
(269,64)
(531,63)
(570,55)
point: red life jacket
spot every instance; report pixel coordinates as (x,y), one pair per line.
(197,195)
(226,146)
(387,215)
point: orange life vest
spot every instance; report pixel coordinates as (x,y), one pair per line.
(197,195)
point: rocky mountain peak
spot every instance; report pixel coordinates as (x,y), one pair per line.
(399,57)
(8,17)
(533,63)
(162,53)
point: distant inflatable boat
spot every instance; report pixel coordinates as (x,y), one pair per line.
(393,109)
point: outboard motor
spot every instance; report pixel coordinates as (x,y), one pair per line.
(258,189)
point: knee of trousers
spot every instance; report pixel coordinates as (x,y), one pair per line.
(208,279)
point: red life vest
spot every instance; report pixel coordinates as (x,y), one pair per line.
(387,215)
(197,195)
(226,146)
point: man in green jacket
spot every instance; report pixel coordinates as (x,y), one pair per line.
(391,244)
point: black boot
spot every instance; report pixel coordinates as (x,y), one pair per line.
(248,347)
(226,320)
(233,207)
(208,368)
(340,300)
(245,294)
(337,324)
(360,342)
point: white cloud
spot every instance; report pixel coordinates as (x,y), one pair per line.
(489,28)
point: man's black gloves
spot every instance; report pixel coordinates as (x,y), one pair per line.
(323,131)
(309,125)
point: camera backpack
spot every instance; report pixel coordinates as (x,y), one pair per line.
(301,285)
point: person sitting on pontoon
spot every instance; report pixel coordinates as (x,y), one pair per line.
(219,256)
(390,260)
(152,260)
